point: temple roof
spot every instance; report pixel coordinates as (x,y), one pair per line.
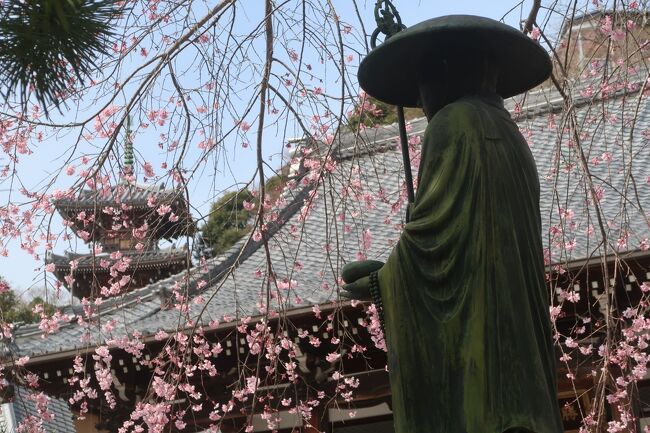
(325,244)
(593,18)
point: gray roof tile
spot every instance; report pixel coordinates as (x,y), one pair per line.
(24,406)
(325,242)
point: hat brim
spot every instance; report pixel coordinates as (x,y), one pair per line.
(389,74)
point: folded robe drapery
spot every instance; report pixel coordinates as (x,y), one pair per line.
(466,307)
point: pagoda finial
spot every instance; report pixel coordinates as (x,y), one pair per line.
(128,148)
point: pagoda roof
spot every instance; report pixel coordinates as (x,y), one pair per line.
(136,195)
(141,260)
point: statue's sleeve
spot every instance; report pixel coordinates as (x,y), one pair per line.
(427,268)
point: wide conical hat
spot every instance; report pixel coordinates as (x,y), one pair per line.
(389,73)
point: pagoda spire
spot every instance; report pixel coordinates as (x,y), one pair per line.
(128,148)
(134,230)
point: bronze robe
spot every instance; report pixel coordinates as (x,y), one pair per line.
(466,307)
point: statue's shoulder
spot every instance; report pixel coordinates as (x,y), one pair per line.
(469,117)
(463,113)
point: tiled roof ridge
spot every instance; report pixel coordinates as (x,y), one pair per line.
(552,102)
(245,248)
(557,104)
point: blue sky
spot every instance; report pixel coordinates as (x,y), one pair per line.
(20,268)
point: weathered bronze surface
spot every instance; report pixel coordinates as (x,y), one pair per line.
(391,71)
(465,303)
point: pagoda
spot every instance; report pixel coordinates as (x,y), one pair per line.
(122,226)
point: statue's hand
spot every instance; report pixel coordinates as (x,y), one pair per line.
(360,289)
(356,274)
(355,270)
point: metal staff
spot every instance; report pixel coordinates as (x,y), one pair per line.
(389,23)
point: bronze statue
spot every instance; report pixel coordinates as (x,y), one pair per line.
(465,303)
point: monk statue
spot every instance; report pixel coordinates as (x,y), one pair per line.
(465,305)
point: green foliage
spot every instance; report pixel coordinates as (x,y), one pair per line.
(229,221)
(370,112)
(275,183)
(15,310)
(46,45)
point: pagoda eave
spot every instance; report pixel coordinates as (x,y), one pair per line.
(89,275)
